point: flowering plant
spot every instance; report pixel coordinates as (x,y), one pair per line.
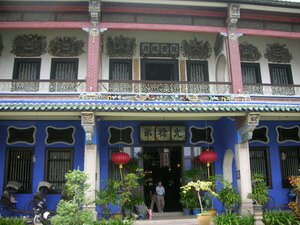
(200,187)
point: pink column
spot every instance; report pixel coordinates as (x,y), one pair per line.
(93,63)
(234,63)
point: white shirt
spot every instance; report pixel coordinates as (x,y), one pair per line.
(160,190)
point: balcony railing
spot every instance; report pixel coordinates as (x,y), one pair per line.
(272,89)
(165,87)
(42,86)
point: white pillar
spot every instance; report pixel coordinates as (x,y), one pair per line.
(90,157)
(243,176)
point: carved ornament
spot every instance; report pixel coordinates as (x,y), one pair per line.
(195,49)
(249,124)
(278,53)
(88,124)
(249,52)
(66,47)
(95,10)
(120,46)
(232,19)
(219,44)
(29,45)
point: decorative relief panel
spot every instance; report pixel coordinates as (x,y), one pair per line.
(29,45)
(249,52)
(195,49)
(120,46)
(66,47)
(21,135)
(201,135)
(94,9)
(219,44)
(60,135)
(120,135)
(159,50)
(278,53)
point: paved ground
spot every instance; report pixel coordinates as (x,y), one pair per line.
(169,219)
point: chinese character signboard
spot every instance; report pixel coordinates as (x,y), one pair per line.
(162,133)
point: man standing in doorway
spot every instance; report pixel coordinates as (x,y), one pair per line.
(160,192)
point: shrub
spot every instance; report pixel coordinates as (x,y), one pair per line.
(12,221)
(233,219)
(279,218)
(259,192)
(114,222)
(229,196)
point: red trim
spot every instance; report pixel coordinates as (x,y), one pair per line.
(162,27)
(44,25)
(46,8)
(270,33)
(184,12)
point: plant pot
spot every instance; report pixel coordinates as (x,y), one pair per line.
(204,218)
(118,216)
(186,212)
(212,212)
(196,211)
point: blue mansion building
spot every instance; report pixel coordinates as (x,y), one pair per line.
(83,79)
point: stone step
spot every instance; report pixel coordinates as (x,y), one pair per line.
(169,218)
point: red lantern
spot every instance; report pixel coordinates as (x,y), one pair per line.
(208,156)
(120,158)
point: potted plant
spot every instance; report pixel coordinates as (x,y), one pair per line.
(228,196)
(204,218)
(259,194)
(186,201)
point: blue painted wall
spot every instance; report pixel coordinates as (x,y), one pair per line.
(225,137)
(279,194)
(39,152)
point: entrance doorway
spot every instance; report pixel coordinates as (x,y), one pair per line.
(168,175)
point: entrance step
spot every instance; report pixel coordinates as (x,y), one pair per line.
(173,218)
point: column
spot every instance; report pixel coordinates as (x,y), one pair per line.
(93,60)
(233,51)
(90,156)
(94,46)
(246,126)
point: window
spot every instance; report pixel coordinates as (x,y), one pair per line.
(290,162)
(27,70)
(251,73)
(120,70)
(251,77)
(260,162)
(281,75)
(58,162)
(64,71)
(19,167)
(197,72)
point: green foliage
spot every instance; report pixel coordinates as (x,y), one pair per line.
(117,192)
(228,196)
(192,175)
(259,192)
(188,199)
(114,222)
(71,212)
(76,186)
(233,219)
(12,221)
(279,218)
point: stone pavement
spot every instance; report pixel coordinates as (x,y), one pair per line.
(175,218)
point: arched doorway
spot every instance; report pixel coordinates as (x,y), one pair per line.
(221,69)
